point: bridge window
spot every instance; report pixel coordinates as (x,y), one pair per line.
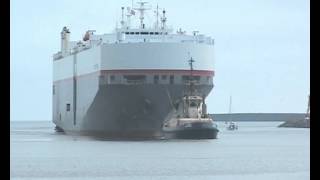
(156,33)
(131,32)
(151,33)
(135,79)
(171,79)
(186,79)
(193,104)
(156,79)
(127,32)
(137,32)
(68,107)
(144,33)
(208,78)
(112,78)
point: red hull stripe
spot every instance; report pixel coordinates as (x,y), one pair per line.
(144,71)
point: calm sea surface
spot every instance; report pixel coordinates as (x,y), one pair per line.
(258,150)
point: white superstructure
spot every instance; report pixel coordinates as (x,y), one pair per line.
(127,34)
(134,47)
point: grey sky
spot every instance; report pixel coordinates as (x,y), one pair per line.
(262,49)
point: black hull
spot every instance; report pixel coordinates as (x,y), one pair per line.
(116,135)
(192,133)
(96,108)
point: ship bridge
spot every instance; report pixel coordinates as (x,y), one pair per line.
(150,35)
(159,32)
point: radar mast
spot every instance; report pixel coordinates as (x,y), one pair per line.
(163,19)
(157,17)
(142,9)
(191,61)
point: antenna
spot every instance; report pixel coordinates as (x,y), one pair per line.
(130,13)
(157,15)
(163,19)
(116,21)
(122,17)
(191,75)
(230,105)
(191,64)
(141,9)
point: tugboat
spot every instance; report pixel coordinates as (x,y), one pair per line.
(190,119)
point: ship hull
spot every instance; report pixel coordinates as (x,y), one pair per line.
(126,89)
(192,133)
(124,111)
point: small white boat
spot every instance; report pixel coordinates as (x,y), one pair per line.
(232,126)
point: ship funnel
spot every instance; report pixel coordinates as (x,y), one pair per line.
(65,38)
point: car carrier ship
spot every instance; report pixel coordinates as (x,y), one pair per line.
(127,83)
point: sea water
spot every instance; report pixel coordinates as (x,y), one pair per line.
(257,150)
